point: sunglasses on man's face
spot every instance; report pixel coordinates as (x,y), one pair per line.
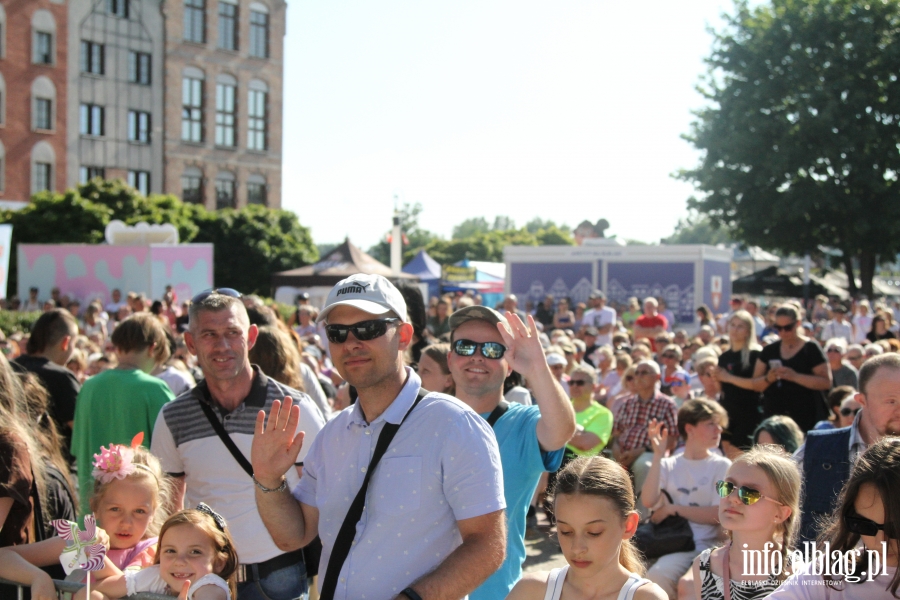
(493,350)
(854,357)
(670,356)
(868,527)
(231,293)
(833,350)
(747,495)
(578,382)
(784,327)
(363,331)
(846,412)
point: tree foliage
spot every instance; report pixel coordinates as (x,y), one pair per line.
(697,229)
(253,243)
(488,245)
(800,137)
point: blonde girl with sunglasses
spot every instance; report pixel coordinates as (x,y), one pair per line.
(759,507)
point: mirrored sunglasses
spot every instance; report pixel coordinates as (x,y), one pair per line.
(492,350)
(747,495)
(363,331)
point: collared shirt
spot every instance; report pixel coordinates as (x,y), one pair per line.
(442,466)
(857,444)
(634,417)
(187,445)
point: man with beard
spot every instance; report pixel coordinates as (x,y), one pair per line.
(828,455)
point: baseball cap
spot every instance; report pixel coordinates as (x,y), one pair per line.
(554,359)
(373,294)
(597,294)
(476,313)
(679,379)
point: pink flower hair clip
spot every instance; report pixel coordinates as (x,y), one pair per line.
(117,461)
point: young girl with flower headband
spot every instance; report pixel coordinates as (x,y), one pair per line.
(759,507)
(128,502)
(196,560)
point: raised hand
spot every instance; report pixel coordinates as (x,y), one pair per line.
(275,447)
(523,346)
(659,437)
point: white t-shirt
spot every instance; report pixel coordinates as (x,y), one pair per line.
(149,580)
(692,483)
(863,325)
(600,317)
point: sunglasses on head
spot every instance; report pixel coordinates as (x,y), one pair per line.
(493,350)
(220,291)
(784,327)
(846,412)
(747,495)
(363,331)
(864,526)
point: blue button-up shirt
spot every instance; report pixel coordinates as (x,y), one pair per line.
(441,467)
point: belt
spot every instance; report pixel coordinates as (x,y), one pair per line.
(257,571)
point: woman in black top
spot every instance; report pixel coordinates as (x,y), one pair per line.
(793,373)
(879,330)
(739,398)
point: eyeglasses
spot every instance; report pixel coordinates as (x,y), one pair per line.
(846,412)
(492,350)
(363,331)
(864,526)
(231,293)
(838,350)
(784,327)
(747,495)
(577,382)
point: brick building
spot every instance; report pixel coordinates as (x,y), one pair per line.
(33,97)
(223,105)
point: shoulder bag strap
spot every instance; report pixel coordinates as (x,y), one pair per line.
(345,536)
(223,435)
(497,412)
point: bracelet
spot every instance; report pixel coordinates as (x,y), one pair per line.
(411,594)
(266,490)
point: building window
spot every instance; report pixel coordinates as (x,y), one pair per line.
(195,21)
(192,110)
(118,8)
(259,34)
(140,180)
(228,28)
(139,67)
(257,127)
(192,186)
(139,126)
(256,193)
(225,193)
(43,114)
(42,176)
(91,58)
(85,174)
(225,114)
(91,120)
(43,48)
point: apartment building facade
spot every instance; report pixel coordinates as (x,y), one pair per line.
(33,97)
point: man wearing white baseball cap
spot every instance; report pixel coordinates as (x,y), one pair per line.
(424,521)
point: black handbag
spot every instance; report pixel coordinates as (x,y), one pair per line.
(672,534)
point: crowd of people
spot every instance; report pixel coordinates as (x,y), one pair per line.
(396,448)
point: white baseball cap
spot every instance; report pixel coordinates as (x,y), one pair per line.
(373,294)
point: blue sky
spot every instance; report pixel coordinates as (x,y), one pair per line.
(566,110)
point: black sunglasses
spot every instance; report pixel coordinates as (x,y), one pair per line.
(363,331)
(784,327)
(846,412)
(864,526)
(747,495)
(577,382)
(220,291)
(494,350)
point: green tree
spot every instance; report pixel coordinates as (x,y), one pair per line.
(537,223)
(697,229)
(488,245)
(800,136)
(471,227)
(253,243)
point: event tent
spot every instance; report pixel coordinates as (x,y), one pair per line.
(427,270)
(343,261)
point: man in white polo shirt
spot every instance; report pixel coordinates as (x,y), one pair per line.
(600,316)
(427,520)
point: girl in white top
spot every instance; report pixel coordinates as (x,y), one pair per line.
(197,560)
(866,522)
(595,520)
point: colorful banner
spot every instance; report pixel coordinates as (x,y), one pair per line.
(454,274)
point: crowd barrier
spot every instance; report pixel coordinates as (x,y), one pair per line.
(65,590)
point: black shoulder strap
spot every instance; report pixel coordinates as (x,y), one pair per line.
(345,536)
(497,412)
(223,435)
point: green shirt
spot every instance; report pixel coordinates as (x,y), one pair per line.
(598,420)
(112,407)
